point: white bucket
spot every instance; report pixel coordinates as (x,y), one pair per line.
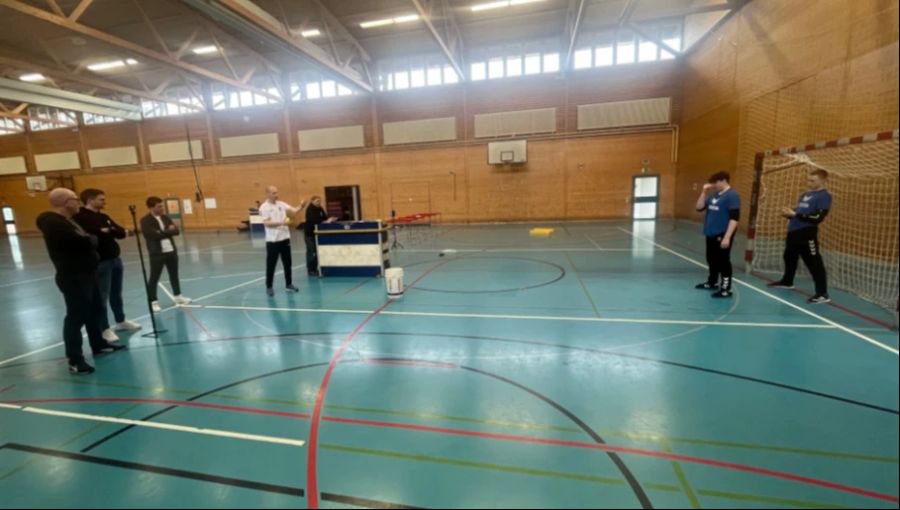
(393,280)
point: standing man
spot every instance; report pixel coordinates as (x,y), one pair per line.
(315,214)
(159,232)
(110,270)
(803,236)
(723,211)
(276,216)
(74,255)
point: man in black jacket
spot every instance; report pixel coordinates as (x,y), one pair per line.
(159,231)
(74,255)
(315,215)
(110,271)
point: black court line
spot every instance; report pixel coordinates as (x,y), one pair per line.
(196,397)
(655,361)
(560,276)
(613,456)
(620,465)
(713,371)
(161,470)
(363,502)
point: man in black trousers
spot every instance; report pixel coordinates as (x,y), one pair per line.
(110,271)
(159,231)
(74,255)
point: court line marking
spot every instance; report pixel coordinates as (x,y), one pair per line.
(773,296)
(157,425)
(312,488)
(244,284)
(473,433)
(150,468)
(519,317)
(142,317)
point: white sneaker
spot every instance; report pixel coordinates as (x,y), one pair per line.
(181,300)
(155,306)
(109,335)
(128,325)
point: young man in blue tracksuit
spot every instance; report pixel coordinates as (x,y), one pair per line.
(723,211)
(803,236)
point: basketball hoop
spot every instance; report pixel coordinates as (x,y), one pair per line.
(35,184)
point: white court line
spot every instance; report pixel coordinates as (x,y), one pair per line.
(229,289)
(23,282)
(43,278)
(519,317)
(58,344)
(773,296)
(42,349)
(218,276)
(166,291)
(592,241)
(157,425)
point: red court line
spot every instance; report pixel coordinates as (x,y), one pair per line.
(623,449)
(312,486)
(832,303)
(358,285)
(312,490)
(189,313)
(503,437)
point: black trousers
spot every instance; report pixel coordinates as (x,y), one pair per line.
(719,261)
(157,262)
(804,243)
(273,251)
(83,306)
(312,257)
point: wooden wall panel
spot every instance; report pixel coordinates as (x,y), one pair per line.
(600,171)
(451,177)
(798,72)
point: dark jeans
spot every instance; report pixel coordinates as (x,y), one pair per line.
(170,261)
(273,251)
(109,282)
(82,309)
(719,261)
(312,257)
(804,243)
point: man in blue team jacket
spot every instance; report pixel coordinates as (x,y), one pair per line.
(803,236)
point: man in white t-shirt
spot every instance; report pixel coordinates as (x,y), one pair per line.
(276,216)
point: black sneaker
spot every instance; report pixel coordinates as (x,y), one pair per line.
(109,348)
(291,288)
(81,367)
(722,294)
(312,273)
(819,299)
(706,286)
(780,285)
(270,292)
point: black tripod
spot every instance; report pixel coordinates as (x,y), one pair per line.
(394,227)
(156,332)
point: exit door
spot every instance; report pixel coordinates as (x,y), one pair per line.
(645,198)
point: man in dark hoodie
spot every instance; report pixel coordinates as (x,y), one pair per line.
(110,271)
(74,255)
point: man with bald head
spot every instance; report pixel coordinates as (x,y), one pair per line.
(276,216)
(74,255)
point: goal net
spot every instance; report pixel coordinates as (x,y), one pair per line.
(859,237)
